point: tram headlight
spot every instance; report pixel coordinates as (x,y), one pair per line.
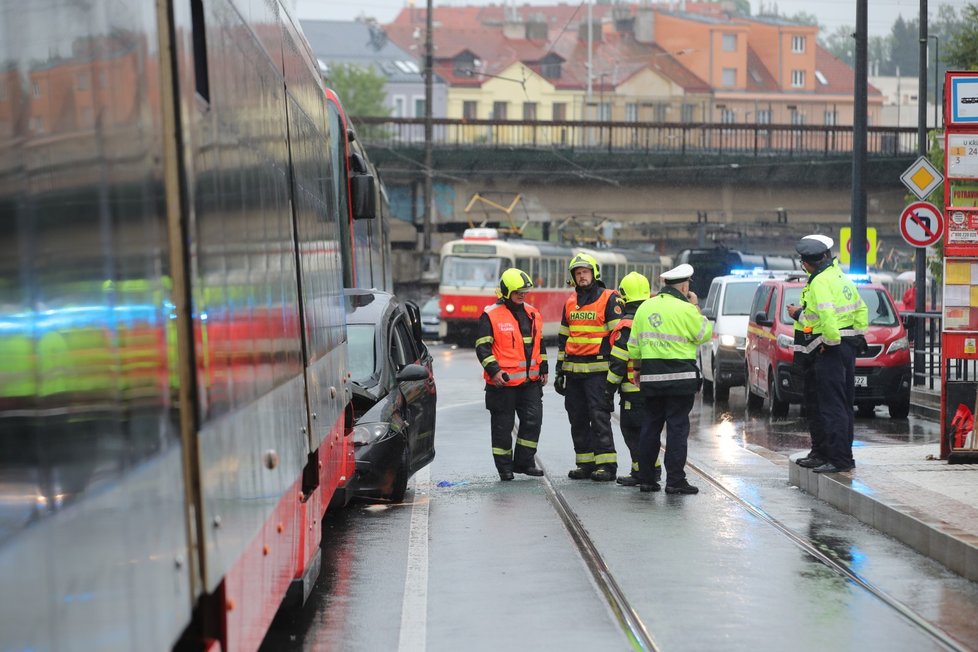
(368,433)
(449,307)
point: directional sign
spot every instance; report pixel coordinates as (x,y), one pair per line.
(921,224)
(922,178)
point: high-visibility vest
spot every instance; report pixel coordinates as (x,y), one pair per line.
(619,350)
(831,309)
(586,326)
(509,344)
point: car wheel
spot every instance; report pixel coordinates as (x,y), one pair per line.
(899,409)
(866,410)
(401,478)
(721,392)
(779,408)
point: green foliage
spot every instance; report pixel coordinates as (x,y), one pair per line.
(904,48)
(740,7)
(961,51)
(840,43)
(361,90)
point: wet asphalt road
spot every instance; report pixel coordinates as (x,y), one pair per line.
(468,562)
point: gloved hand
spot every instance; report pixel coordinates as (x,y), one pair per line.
(559,384)
(609,396)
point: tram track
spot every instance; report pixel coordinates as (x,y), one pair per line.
(631,623)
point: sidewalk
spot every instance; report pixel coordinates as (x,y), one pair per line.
(905,491)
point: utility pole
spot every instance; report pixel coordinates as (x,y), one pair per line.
(920,263)
(428,158)
(857,256)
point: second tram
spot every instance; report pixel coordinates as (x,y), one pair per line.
(470,270)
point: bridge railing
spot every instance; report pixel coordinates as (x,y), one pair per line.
(692,138)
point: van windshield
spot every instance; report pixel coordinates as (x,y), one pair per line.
(738,297)
(881,311)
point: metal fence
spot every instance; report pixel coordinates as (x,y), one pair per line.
(681,138)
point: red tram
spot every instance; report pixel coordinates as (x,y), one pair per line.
(470,270)
(182,204)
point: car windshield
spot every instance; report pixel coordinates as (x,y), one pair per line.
(881,311)
(361,351)
(470,272)
(738,297)
(430,307)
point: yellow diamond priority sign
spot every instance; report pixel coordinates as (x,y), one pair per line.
(922,178)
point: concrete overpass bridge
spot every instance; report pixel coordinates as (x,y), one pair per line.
(751,187)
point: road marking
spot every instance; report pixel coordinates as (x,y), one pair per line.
(414,609)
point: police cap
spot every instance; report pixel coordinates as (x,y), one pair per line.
(811,250)
(678,274)
(824,239)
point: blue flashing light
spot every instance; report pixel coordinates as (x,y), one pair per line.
(860,278)
(745,273)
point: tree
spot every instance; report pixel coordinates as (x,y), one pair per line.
(840,43)
(961,53)
(904,48)
(361,89)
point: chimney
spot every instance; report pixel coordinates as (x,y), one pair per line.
(624,21)
(645,25)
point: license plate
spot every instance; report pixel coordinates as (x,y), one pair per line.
(862,381)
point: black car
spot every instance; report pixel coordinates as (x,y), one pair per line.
(394,393)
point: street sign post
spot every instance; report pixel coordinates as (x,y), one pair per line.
(921,224)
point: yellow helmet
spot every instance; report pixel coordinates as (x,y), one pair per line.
(584,260)
(513,280)
(634,287)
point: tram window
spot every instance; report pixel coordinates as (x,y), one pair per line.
(470,272)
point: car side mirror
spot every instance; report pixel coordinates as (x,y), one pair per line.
(412,372)
(762,320)
(364,191)
(708,314)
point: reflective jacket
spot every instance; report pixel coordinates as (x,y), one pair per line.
(621,367)
(665,333)
(582,341)
(507,348)
(831,310)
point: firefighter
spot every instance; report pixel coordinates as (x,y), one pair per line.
(666,331)
(514,367)
(633,289)
(834,320)
(583,350)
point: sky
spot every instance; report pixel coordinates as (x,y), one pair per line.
(831,13)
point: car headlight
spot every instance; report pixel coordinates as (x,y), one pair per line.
(449,307)
(368,433)
(786,341)
(732,341)
(898,345)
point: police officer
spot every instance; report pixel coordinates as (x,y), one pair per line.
(583,348)
(514,366)
(633,289)
(665,333)
(805,363)
(834,320)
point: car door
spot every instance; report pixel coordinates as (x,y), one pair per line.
(418,400)
(706,351)
(757,340)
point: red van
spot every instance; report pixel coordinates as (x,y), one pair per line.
(882,373)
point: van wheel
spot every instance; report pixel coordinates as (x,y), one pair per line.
(721,392)
(779,408)
(899,409)
(754,401)
(707,390)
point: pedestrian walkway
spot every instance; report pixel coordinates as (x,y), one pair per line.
(907,492)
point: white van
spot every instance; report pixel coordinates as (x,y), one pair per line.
(727,305)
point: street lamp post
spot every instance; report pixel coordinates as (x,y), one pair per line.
(937,61)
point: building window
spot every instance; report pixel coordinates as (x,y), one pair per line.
(36,88)
(469,111)
(728,116)
(689,110)
(660,110)
(529,110)
(729,43)
(419,107)
(631,112)
(550,68)
(830,118)
(798,44)
(764,116)
(399,103)
(798,78)
(499,110)
(604,111)
(560,110)
(37,125)
(797,118)
(729,77)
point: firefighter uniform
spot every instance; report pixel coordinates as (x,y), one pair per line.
(583,350)
(514,365)
(665,333)
(834,320)
(622,378)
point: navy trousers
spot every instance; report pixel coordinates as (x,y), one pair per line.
(835,380)
(673,413)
